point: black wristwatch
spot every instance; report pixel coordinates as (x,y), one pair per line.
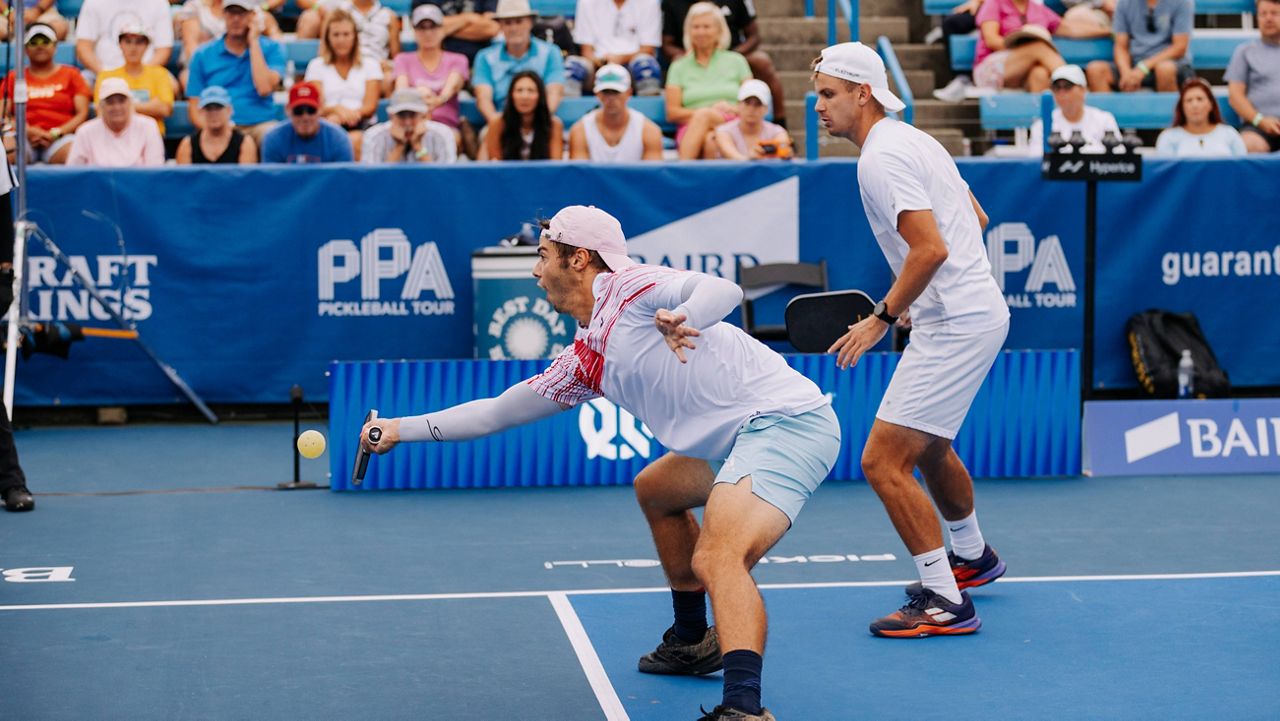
(881,311)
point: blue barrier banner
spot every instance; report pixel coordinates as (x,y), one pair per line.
(1126,438)
(1025,422)
(250,279)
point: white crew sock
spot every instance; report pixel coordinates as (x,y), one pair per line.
(966,537)
(935,574)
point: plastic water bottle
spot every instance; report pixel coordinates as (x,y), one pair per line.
(290,75)
(1186,375)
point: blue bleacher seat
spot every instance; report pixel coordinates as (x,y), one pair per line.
(547,8)
(66,54)
(69,8)
(399,7)
(301,52)
(1203,7)
(1142,110)
(1211,49)
(178,125)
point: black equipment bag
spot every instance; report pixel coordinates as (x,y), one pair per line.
(1156,341)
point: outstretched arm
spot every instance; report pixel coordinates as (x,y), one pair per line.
(518,405)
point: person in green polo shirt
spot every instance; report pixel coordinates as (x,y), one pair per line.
(702,85)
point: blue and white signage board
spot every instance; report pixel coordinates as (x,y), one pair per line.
(1187,437)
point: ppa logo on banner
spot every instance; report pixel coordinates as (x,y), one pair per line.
(1219,436)
(612,433)
(384,255)
(123,281)
(1012,248)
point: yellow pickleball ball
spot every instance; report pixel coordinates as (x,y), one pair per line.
(311,444)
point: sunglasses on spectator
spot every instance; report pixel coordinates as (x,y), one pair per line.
(1151,20)
(39,40)
(303,110)
(1063,85)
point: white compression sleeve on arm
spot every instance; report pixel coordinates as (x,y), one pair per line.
(517,405)
(706,300)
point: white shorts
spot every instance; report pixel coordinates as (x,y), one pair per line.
(938,377)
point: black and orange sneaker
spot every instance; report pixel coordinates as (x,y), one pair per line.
(928,614)
(970,574)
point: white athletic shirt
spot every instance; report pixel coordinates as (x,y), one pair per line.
(613,30)
(101,21)
(629,149)
(903,168)
(694,409)
(347,92)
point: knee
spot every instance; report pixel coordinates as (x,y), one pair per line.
(1097,70)
(761,63)
(709,562)
(1255,143)
(1037,78)
(648,487)
(1167,70)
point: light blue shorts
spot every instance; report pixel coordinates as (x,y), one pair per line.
(786,457)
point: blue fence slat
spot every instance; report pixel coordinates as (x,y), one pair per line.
(1024,422)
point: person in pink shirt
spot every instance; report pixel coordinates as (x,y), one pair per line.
(118,137)
(1015,48)
(431,70)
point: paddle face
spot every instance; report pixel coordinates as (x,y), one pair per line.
(362,456)
(816,320)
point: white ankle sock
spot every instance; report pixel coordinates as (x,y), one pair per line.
(966,537)
(935,574)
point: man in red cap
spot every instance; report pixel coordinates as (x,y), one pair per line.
(750,438)
(306,138)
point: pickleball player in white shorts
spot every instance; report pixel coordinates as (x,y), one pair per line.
(929,227)
(750,437)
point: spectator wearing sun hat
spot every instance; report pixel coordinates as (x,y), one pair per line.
(499,63)
(152,85)
(306,138)
(218,141)
(614,133)
(57,99)
(409,135)
(749,136)
(98,31)
(118,137)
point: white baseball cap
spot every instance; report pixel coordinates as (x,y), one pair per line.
(1070,73)
(858,63)
(612,77)
(427,11)
(756,89)
(114,86)
(586,226)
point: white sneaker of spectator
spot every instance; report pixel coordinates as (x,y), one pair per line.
(933,36)
(954,91)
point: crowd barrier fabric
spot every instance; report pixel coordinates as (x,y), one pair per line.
(250,279)
(1025,422)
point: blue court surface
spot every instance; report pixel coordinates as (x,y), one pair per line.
(164,581)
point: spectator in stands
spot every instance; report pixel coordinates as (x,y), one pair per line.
(431,70)
(1089,18)
(622,32)
(377,24)
(1152,38)
(219,141)
(526,130)
(744,39)
(350,83)
(98,31)
(248,65)
(702,85)
(152,85)
(614,133)
(1073,113)
(1015,48)
(409,135)
(469,25)
(306,138)
(200,21)
(749,136)
(57,99)
(36,11)
(118,137)
(1198,130)
(497,65)
(1253,82)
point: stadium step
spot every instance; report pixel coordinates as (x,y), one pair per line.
(795,83)
(813,31)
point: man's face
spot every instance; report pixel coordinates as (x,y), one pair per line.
(305,119)
(612,101)
(407,120)
(553,273)
(115,111)
(839,103)
(1269,18)
(40,49)
(237,21)
(516,31)
(1068,96)
(133,47)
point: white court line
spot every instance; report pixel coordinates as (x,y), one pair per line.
(608,698)
(599,592)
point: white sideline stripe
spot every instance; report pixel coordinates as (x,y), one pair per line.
(599,680)
(599,592)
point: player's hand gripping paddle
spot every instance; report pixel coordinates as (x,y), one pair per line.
(817,320)
(362,456)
